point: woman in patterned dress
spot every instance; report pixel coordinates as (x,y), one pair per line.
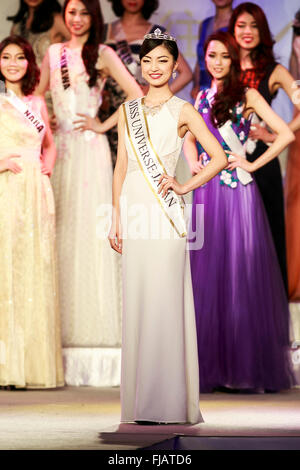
(240,303)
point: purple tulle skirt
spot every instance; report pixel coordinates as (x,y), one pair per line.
(241,307)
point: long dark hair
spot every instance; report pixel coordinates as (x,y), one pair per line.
(150,44)
(262,56)
(233,91)
(91,47)
(296,26)
(43,18)
(148,8)
(32,76)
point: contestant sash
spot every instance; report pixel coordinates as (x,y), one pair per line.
(251,143)
(122,47)
(150,163)
(124,52)
(235,145)
(64,70)
(232,140)
(71,100)
(26,111)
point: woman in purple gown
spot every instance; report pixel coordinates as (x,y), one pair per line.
(240,301)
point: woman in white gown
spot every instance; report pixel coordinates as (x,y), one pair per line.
(159,350)
(82,178)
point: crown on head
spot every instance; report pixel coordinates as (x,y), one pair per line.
(159,35)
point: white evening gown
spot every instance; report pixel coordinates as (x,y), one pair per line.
(159,380)
(89,270)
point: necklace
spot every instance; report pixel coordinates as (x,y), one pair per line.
(152,110)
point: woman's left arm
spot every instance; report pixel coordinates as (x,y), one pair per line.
(48,145)
(110,64)
(281,78)
(190,120)
(284,136)
(185,75)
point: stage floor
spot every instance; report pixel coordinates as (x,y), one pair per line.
(88,418)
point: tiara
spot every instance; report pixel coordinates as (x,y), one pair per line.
(159,35)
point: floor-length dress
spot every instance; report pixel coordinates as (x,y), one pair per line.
(268,178)
(89,271)
(30,340)
(241,306)
(159,346)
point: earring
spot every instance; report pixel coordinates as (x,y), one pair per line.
(174,74)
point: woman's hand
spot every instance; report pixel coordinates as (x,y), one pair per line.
(197,166)
(87,123)
(115,236)
(259,132)
(7,164)
(238,161)
(167,182)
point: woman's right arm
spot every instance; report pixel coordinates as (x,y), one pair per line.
(191,119)
(115,237)
(190,147)
(43,86)
(191,153)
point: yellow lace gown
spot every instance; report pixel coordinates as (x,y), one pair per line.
(30,343)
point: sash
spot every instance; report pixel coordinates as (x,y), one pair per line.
(124,52)
(67,125)
(234,143)
(150,163)
(251,143)
(65,77)
(66,83)
(26,111)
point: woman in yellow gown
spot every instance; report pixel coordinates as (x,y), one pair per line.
(30,344)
